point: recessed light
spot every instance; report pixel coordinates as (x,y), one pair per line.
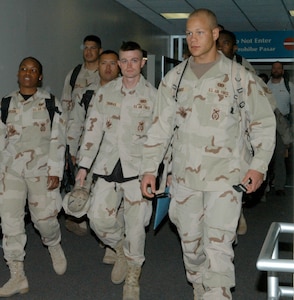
(291,12)
(175,15)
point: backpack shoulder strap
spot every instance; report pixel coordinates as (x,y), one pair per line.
(238,59)
(237,85)
(4,108)
(286,81)
(167,158)
(51,107)
(86,98)
(177,84)
(74,76)
(238,96)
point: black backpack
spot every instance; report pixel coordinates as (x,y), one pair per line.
(74,76)
(238,58)
(86,98)
(50,105)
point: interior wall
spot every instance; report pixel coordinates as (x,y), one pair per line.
(53,32)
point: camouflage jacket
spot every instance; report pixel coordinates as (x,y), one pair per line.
(76,120)
(85,78)
(116,127)
(207,119)
(29,147)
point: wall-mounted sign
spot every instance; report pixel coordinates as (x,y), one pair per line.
(266,44)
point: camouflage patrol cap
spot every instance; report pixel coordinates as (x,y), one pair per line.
(76,202)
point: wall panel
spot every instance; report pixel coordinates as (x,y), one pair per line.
(53,31)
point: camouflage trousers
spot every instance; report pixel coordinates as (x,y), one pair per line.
(43,205)
(106,198)
(206,223)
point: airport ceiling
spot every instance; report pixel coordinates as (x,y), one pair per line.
(234,15)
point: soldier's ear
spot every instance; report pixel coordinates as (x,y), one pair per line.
(143,63)
(215,33)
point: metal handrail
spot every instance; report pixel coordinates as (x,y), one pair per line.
(269,261)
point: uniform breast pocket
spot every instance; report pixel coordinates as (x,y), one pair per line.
(141,122)
(41,119)
(214,114)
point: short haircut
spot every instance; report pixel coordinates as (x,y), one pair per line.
(230,34)
(210,14)
(130,46)
(40,67)
(278,62)
(109,52)
(93,38)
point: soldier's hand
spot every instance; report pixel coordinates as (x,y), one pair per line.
(52,182)
(148,185)
(255,180)
(81,176)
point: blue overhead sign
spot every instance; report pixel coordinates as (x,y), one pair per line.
(266,44)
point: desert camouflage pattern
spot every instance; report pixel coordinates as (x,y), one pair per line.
(75,130)
(85,78)
(76,120)
(121,118)
(106,199)
(206,155)
(43,205)
(246,64)
(30,146)
(206,162)
(189,210)
(116,128)
(31,152)
(76,203)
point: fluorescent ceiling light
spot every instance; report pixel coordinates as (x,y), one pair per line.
(291,12)
(175,15)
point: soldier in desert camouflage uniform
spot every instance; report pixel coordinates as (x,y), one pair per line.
(227,43)
(31,161)
(77,79)
(119,119)
(87,75)
(206,155)
(108,70)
